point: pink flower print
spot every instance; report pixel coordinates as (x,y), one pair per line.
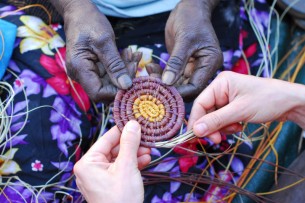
(37,166)
(18,83)
(56,26)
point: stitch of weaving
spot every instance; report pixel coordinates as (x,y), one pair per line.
(158,108)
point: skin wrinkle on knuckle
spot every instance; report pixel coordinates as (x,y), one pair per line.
(210,50)
(216,121)
(115,65)
(211,58)
(175,63)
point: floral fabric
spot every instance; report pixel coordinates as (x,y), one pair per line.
(43,145)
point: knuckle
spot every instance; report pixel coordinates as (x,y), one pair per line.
(126,142)
(216,121)
(198,103)
(77,168)
(190,36)
(102,40)
(175,62)
(214,51)
(115,64)
(224,75)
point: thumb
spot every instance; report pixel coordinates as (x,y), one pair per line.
(129,145)
(114,65)
(176,63)
(217,120)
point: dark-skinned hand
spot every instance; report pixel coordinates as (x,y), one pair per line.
(91,50)
(193,46)
(131,61)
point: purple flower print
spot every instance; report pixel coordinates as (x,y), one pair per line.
(166,198)
(174,185)
(65,129)
(227,59)
(165,57)
(16,140)
(65,166)
(237,166)
(155,152)
(7,10)
(12,64)
(260,20)
(30,81)
(166,165)
(66,106)
(16,110)
(18,193)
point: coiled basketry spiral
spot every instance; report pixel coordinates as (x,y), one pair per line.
(157,107)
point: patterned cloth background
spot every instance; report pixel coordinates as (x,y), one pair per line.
(44,145)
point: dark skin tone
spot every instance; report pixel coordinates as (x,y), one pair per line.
(190,39)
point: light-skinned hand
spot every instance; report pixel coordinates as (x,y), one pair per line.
(232,98)
(109,171)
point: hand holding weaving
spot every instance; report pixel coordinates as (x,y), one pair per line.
(109,171)
(90,40)
(232,98)
(194,48)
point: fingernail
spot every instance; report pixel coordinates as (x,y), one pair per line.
(201,129)
(168,77)
(133,127)
(125,81)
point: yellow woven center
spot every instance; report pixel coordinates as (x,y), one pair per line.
(149,107)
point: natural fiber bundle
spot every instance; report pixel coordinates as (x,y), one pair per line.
(157,107)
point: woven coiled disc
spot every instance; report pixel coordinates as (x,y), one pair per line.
(157,107)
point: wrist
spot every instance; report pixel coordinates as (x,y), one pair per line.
(206,5)
(297,113)
(67,7)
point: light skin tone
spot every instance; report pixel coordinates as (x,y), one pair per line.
(232,98)
(113,165)
(110,170)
